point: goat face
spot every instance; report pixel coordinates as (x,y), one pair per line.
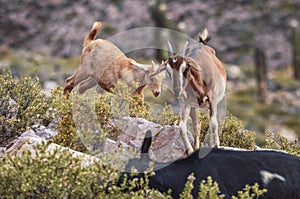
(154,79)
(180,67)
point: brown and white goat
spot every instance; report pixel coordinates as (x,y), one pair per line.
(105,64)
(201,80)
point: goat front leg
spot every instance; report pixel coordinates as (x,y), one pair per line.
(140,91)
(183,128)
(213,126)
(196,128)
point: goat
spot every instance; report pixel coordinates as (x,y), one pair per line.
(201,79)
(278,172)
(104,64)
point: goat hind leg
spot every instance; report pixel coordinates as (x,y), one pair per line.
(213,126)
(86,84)
(196,128)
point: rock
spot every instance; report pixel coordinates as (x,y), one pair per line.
(167,142)
(41,133)
(29,143)
(45,133)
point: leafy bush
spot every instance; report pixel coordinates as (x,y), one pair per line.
(56,173)
(276,141)
(234,135)
(250,192)
(166,116)
(231,132)
(62,109)
(96,112)
(45,173)
(210,189)
(187,192)
(23,105)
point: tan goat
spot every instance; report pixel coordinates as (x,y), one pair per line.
(104,64)
(201,79)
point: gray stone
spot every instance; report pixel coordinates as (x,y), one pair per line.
(45,133)
(167,142)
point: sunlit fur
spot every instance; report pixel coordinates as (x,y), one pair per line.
(105,64)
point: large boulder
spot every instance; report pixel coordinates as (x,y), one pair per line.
(167,142)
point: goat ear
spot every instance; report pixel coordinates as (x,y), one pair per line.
(146,143)
(141,66)
(169,70)
(158,69)
(154,66)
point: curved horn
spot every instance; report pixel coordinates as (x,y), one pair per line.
(184,48)
(170,49)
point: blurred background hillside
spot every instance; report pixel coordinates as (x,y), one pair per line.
(46,37)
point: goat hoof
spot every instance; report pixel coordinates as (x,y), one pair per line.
(189,151)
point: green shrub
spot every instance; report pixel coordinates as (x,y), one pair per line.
(166,116)
(234,135)
(231,132)
(276,141)
(187,192)
(93,113)
(41,174)
(66,130)
(209,189)
(23,105)
(124,103)
(58,174)
(250,192)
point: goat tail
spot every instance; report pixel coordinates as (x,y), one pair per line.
(204,37)
(92,34)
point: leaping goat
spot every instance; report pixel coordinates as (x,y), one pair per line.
(104,64)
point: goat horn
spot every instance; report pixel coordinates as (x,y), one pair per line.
(204,34)
(184,49)
(170,49)
(153,63)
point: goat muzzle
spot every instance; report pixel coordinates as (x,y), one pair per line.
(156,93)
